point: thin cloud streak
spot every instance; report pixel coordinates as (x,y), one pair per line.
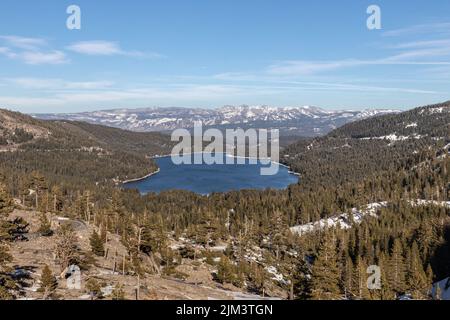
(58,84)
(31,51)
(107,48)
(184,92)
(24,42)
(442,27)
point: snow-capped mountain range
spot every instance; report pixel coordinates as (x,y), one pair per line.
(300,121)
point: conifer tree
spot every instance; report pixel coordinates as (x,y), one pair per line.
(360,290)
(386,292)
(118,293)
(346,277)
(66,248)
(38,184)
(416,277)
(152,238)
(45,228)
(301,279)
(93,288)
(325,271)
(6,282)
(6,202)
(48,283)
(257,277)
(396,267)
(97,246)
(56,199)
(225,272)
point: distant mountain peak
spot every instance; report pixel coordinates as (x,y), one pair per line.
(291,120)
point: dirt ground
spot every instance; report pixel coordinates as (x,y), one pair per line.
(31,257)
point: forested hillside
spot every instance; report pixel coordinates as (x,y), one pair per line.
(396,165)
(381,144)
(75,152)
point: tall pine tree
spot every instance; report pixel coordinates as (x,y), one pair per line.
(6,202)
(416,277)
(48,283)
(325,271)
(396,268)
(97,246)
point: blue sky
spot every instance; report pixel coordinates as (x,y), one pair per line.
(203,53)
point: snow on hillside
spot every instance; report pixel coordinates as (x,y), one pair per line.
(275,275)
(343,220)
(411,125)
(421,202)
(394,137)
(436,109)
(376,112)
(306,120)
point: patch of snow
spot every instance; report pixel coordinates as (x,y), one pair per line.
(107,291)
(342,220)
(277,276)
(394,138)
(221,248)
(422,202)
(436,110)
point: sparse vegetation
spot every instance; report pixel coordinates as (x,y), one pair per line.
(177,234)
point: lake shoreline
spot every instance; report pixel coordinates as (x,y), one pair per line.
(142,178)
(237,157)
(191,153)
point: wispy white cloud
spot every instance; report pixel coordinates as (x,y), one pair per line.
(328,86)
(303,67)
(31,51)
(415,57)
(177,93)
(96,48)
(58,84)
(107,48)
(419,52)
(35,51)
(287,84)
(7,52)
(144,96)
(435,28)
(422,44)
(37,58)
(24,42)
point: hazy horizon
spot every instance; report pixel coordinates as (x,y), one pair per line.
(208,54)
(224,106)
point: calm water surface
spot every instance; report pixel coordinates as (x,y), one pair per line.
(205,179)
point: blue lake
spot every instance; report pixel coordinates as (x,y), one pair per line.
(206,179)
